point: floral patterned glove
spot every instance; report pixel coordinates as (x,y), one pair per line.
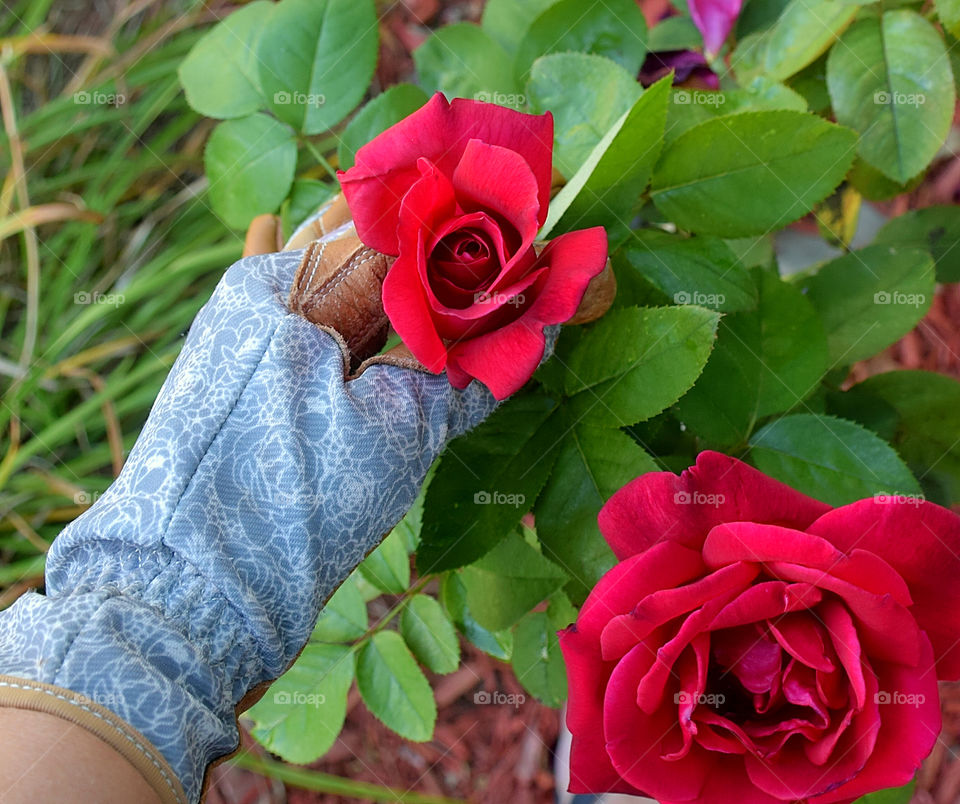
(260,480)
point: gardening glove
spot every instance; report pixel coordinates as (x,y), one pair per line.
(262,477)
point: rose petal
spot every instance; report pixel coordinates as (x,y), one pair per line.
(714,19)
(590,767)
(664,566)
(663,605)
(907,730)
(886,629)
(636,740)
(752,656)
(493,178)
(385,168)
(503,360)
(764,601)
(748,541)
(921,541)
(802,637)
(661,505)
(573,260)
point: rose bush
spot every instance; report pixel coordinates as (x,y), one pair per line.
(457,192)
(756,645)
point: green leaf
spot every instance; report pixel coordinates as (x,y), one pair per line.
(689,107)
(890,79)
(612,28)
(316,60)
(722,406)
(634,362)
(608,185)
(935,229)
(792,354)
(461,60)
(430,634)
(694,270)
(250,163)
(893,795)
(498,644)
(949,13)
(509,581)
(750,173)
(219,74)
(507,20)
(869,298)
(306,197)
(831,459)
(593,463)
(377,116)
(394,688)
(804,31)
(587,95)
(674,33)
(926,421)
(538,661)
(344,617)
(486,481)
(302,713)
(388,567)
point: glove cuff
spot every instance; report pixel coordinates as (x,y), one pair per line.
(18,693)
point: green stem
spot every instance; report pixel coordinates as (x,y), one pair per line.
(401,604)
(328,783)
(321,159)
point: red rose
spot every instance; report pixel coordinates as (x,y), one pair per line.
(754,645)
(457,193)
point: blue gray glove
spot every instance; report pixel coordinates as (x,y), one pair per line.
(260,480)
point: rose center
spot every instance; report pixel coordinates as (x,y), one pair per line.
(464,258)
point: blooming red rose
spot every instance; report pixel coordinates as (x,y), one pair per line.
(754,645)
(457,193)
